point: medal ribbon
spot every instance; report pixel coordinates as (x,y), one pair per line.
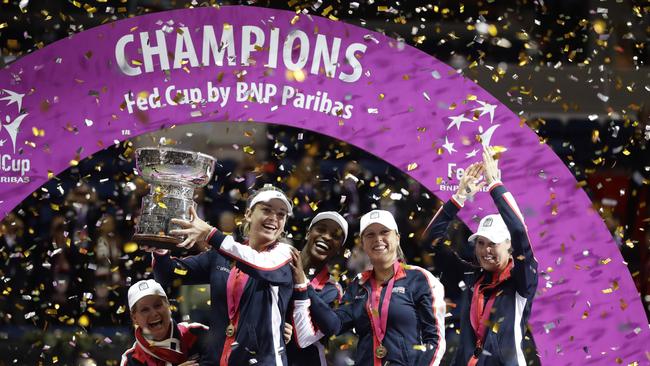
(234,290)
(480,311)
(379,318)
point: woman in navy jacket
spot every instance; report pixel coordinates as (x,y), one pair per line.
(396,309)
(497,302)
(325,237)
(250,282)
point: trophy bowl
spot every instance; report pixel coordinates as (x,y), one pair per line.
(173,175)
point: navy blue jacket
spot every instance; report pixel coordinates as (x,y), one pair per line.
(259,336)
(415,331)
(329,290)
(511,309)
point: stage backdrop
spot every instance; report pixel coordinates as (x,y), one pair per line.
(119,80)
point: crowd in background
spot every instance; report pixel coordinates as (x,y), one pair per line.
(67,256)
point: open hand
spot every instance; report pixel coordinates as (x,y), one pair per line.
(195,231)
(296,267)
(492,172)
(471,182)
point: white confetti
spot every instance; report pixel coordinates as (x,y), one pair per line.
(88,122)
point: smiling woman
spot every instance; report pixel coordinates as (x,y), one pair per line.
(158,339)
(397,310)
(250,282)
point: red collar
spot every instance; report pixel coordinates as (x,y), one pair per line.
(319,281)
(401,273)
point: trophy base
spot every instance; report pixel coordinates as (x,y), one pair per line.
(157,241)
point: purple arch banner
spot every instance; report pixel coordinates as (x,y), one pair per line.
(84,93)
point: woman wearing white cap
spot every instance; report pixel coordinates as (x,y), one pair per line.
(250,282)
(397,310)
(325,238)
(158,339)
(496,305)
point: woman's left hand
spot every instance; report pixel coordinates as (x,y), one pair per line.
(288,331)
(296,267)
(195,231)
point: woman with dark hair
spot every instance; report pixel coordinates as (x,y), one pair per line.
(250,282)
(396,309)
(497,302)
(325,238)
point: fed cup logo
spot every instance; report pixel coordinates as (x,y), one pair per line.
(11,119)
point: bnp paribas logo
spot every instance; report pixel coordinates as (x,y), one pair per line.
(13,168)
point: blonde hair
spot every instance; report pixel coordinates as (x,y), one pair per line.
(246,226)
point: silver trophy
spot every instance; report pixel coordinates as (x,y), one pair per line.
(173,176)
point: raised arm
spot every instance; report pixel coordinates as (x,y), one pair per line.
(271,266)
(312,316)
(525,264)
(437,229)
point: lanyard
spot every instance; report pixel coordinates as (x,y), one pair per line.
(480,310)
(379,317)
(234,291)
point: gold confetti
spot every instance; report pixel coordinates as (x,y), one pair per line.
(83,321)
(130,247)
(295,19)
(412,166)
(180,271)
(37,132)
(600,26)
(595,136)
(495,327)
(249,150)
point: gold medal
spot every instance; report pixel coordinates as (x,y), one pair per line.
(230,330)
(381,351)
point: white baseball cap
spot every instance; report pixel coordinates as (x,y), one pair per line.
(144,288)
(378,217)
(493,228)
(334,216)
(267,196)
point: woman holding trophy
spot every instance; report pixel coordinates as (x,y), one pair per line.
(250,282)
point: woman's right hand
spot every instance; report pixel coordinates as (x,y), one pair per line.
(299,276)
(195,231)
